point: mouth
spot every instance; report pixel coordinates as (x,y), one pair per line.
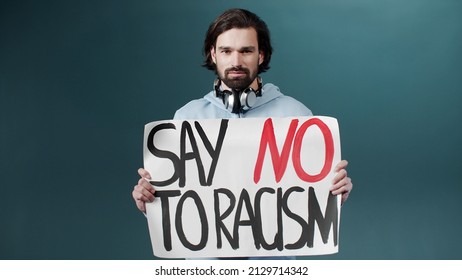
(236,73)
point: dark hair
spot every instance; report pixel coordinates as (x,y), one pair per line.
(238,18)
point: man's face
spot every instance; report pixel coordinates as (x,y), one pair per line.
(237,57)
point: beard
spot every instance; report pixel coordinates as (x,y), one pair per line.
(237,83)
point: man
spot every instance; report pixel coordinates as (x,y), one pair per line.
(238,48)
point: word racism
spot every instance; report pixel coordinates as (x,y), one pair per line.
(243,187)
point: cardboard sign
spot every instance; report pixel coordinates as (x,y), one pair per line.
(243,187)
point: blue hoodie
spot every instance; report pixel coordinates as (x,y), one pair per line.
(272,103)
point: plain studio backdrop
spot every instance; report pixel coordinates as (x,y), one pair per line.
(79,79)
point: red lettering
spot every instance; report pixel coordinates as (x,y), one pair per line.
(279,160)
(329,151)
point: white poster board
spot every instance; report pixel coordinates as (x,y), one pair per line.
(243,187)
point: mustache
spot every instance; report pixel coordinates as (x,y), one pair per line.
(245,70)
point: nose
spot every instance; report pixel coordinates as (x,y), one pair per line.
(236,59)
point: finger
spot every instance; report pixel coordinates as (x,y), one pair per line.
(345,197)
(341,165)
(140,193)
(340,190)
(141,206)
(342,174)
(145,184)
(337,186)
(342,186)
(144,173)
(141,196)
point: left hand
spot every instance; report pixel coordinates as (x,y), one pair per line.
(341,184)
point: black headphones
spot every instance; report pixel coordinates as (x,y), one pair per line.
(237,101)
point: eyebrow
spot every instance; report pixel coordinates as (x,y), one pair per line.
(247,48)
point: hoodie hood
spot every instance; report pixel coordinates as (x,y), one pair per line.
(269,93)
(271,103)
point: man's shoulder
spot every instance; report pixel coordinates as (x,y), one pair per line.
(275,102)
(201,108)
(195,103)
(190,107)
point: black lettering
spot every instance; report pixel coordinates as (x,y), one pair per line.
(324,223)
(304,235)
(184,156)
(163,154)
(166,228)
(245,199)
(219,225)
(214,153)
(202,216)
(277,241)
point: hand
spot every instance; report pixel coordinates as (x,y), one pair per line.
(341,184)
(143,192)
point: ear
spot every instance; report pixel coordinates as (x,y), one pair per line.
(213,54)
(261,58)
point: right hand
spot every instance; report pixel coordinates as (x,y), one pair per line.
(143,192)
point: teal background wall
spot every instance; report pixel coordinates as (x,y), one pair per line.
(79,79)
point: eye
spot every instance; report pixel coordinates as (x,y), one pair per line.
(247,51)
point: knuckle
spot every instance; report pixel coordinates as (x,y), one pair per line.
(137,189)
(147,185)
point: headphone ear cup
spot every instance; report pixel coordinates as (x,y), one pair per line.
(234,106)
(231,101)
(248,98)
